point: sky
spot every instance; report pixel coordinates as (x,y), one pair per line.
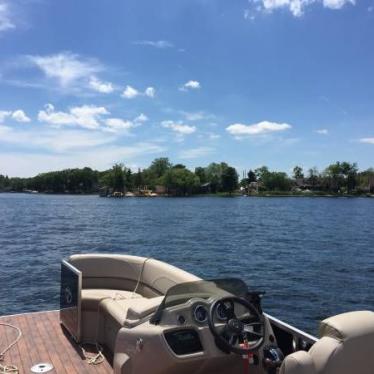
(249,82)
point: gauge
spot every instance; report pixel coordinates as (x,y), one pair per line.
(223,309)
(200,313)
(221,312)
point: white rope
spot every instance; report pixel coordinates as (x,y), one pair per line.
(140,277)
(95,359)
(99,358)
(6,369)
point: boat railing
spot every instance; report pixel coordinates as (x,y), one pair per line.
(291,338)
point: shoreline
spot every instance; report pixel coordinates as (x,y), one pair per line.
(221,195)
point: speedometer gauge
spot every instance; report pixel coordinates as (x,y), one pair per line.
(221,312)
(225,310)
(200,313)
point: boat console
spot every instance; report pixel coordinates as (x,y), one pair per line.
(155,318)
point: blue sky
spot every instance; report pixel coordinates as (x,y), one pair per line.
(274,82)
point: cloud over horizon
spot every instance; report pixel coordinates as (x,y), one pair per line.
(160,44)
(131,92)
(367,140)
(190,85)
(260,128)
(179,128)
(6,23)
(18,115)
(295,7)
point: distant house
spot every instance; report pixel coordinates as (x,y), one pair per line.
(371,183)
(303,184)
(252,188)
(205,188)
(103,191)
(160,190)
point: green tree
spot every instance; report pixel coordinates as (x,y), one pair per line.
(261,173)
(214,173)
(276,181)
(200,172)
(251,176)
(118,178)
(138,179)
(180,181)
(229,179)
(298,172)
(314,177)
(159,167)
(129,180)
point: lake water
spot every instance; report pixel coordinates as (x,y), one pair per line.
(314,257)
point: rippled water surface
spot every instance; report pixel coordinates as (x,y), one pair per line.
(314,257)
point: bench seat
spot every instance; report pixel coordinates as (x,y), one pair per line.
(91,297)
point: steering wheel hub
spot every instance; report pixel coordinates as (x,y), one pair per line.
(244,323)
(235,325)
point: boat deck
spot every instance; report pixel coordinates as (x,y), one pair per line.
(44,340)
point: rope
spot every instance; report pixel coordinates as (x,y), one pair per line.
(99,357)
(6,369)
(94,359)
(140,277)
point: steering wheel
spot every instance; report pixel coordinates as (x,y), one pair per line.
(235,329)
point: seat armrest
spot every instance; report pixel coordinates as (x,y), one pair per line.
(143,307)
(299,362)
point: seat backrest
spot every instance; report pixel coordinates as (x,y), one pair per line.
(118,272)
(150,277)
(346,346)
(160,276)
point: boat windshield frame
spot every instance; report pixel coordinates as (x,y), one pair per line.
(204,289)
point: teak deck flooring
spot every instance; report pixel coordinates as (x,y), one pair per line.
(44,340)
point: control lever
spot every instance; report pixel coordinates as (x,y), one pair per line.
(273,358)
(255,298)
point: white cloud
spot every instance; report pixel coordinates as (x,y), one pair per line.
(213,136)
(66,67)
(322,131)
(5,18)
(26,164)
(141,118)
(131,92)
(4,114)
(161,44)
(195,153)
(190,85)
(367,140)
(337,4)
(296,7)
(53,140)
(261,128)
(119,124)
(150,92)
(87,116)
(197,116)
(179,128)
(99,86)
(20,116)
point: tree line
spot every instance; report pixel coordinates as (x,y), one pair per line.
(177,179)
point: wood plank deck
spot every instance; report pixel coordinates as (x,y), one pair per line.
(44,340)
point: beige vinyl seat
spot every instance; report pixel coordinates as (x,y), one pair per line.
(346,347)
(120,290)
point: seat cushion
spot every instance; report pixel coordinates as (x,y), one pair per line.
(298,363)
(129,312)
(91,297)
(350,326)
